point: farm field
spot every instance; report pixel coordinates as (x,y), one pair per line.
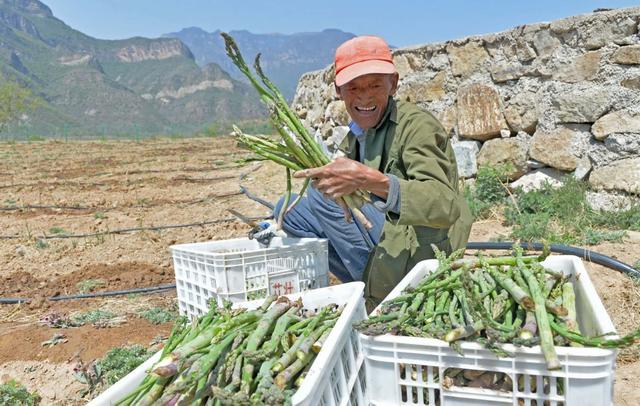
(99,189)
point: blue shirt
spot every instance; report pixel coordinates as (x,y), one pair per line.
(393,197)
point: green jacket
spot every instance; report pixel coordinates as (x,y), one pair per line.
(412,145)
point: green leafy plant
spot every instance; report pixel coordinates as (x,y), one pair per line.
(14,100)
(92,317)
(14,394)
(41,244)
(593,236)
(487,192)
(57,230)
(119,361)
(89,374)
(159,315)
(99,215)
(36,138)
(628,219)
(89,285)
(563,215)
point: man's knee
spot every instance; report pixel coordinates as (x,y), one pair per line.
(280,203)
(321,205)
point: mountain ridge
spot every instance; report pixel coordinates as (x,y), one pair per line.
(106,87)
(284,57)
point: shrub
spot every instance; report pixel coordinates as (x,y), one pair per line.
(119,361)
(562,215)
(14,394)
(488,191)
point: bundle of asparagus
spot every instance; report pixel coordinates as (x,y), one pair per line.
(237,357)
(491,300)
(298,149)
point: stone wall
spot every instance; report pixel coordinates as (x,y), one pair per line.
(549,98)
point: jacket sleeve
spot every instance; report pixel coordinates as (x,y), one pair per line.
(428,196)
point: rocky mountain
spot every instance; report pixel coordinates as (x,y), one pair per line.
(110,87)
(284,57)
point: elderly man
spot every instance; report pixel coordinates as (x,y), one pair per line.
(401,155)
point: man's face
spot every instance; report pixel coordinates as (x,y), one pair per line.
(366,97)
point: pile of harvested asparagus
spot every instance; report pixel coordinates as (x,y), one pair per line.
(237,357)
(491,300)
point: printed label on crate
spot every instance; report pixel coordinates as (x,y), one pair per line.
(284,283)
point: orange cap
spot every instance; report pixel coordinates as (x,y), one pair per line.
(361,56)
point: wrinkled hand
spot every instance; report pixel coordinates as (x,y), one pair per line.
(338,178)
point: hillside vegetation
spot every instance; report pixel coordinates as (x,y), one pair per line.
(96,87)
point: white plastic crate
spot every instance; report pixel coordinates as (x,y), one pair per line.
(336,377)
(411,370)
(241,270)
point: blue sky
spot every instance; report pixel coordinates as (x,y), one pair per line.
(400,22)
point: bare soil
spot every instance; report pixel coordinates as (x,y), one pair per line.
(54,189)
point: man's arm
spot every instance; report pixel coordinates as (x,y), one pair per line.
(429,196)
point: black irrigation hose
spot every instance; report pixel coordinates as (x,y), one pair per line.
(114,293)
(14,300)
(583,253)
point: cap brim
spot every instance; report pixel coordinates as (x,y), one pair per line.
(363,68)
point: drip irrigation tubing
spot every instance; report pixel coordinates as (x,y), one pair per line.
(38,206)
(585,254)
(111,208)
(153,289)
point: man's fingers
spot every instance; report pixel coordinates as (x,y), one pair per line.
(306,173)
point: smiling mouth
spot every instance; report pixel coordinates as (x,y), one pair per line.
(366,109)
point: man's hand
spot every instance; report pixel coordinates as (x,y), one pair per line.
(344,176)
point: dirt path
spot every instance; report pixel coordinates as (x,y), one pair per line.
(50,189)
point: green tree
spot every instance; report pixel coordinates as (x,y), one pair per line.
(14,101)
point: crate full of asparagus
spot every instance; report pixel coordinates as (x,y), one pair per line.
(288,350)
(515,330)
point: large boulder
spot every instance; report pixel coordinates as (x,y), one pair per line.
(560,148)
(616,122)
(628,55)
(581,68)
(535,180)
(510,153)
(466,58)
(466,157)
(582,103)
(623,175)
(594,31)
(610,200)
(479,112)
(521,110)
(419,89)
